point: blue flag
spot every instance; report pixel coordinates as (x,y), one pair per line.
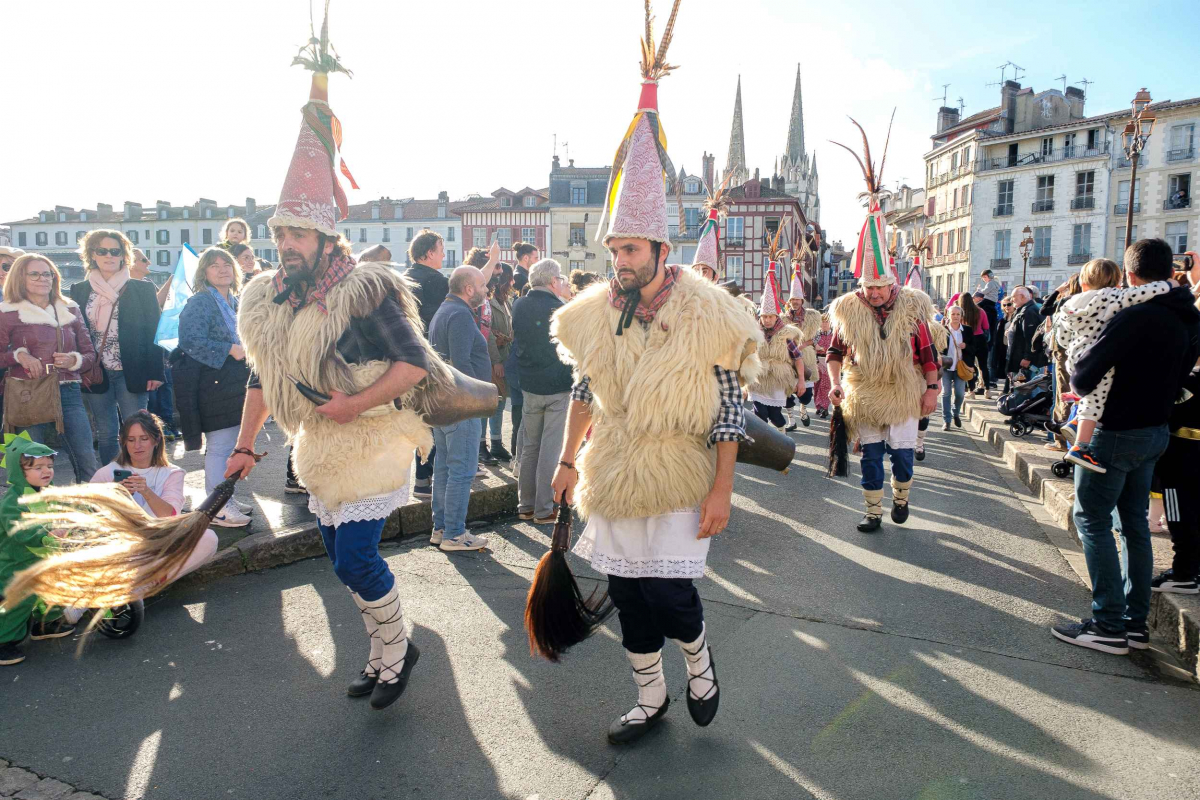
(167,335)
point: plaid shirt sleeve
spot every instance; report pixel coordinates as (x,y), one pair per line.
(581,391)
(924,353)
(731,419)
(794,350)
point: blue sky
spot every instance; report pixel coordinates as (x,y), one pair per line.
(150,101)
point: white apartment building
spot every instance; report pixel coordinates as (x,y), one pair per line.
(394,223)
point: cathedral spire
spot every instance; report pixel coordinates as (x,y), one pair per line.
(735,162)
(795,140)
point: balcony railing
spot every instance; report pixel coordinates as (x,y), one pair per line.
(1008,161)
(1181,154)
(1079,258)
(1043,205)
(1125,163)
(1083,201)
(578,241)
(1000,263)
(688,231)
(735,241)
(961,211)
(1177,204)
(1039,261)
(1123,208)
(1003,211)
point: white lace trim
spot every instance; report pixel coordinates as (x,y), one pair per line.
(639,567)
(368,508)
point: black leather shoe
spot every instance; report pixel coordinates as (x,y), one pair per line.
(621,732)
(899,513)
(920,455)
(362,685)
(870,524)
(384,694)
(792,427)
(485,456)
(957,421)
(703,711)
(499,453)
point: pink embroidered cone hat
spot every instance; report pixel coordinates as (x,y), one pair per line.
(708,251)
(871,258)
(797,284)
(770,295)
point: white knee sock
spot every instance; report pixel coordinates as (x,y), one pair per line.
(374,659)
(652,686)
(700,676)
(393,635)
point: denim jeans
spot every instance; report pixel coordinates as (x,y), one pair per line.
(1119,498)
(497,422)
(162,400)
(77,433)
(353,547)
(952,383)
(218,447)
(104,408)
(544,422)
(454,468)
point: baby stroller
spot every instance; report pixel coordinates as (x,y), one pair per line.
(1028,405)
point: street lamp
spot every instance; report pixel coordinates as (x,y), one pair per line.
(1136,133)
(1026,245)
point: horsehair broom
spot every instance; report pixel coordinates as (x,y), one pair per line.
(839,445)
(111,551)
(557,615)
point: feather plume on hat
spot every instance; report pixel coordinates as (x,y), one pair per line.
(871,265)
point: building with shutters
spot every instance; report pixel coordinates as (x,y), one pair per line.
(394,223)
(507,217)
(576,203)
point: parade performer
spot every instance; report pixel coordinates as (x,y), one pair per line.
(882,342)
(656,354)
(708,260)
(782,373)
(808,321)
(352,332)
(821,347)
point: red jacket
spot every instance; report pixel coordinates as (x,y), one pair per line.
(26,326)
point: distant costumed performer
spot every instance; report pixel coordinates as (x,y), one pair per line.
(656,353)
(882,361)
(782,359)
(808,320)
(708,260)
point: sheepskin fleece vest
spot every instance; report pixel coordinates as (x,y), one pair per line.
(656,396)
(779,371)
(370,456)
(810,326)
(883,386)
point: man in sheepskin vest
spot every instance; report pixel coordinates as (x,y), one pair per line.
(782,373)
(884,371)
(353,332)
(808,320)
(655,353)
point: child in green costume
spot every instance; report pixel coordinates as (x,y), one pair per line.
(30,468)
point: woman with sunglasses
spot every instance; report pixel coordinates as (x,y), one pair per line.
(33,317)
(7,256)
(122,318)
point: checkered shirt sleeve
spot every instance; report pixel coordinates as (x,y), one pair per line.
(581,391)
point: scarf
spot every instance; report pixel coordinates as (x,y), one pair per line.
(228,312)
(779,323)
(628,300)
(295,288)
(107,293)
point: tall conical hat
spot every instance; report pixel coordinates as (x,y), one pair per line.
(708,253)
(916,273)
(636,201)
(312,196)
(871,264)
(797,283)
(770,303)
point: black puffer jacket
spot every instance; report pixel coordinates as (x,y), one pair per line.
(207,399)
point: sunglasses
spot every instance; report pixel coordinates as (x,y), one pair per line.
(40,276)
(5,266)
(109,251)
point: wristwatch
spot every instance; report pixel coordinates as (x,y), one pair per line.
(933,386)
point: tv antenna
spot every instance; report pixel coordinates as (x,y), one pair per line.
(1017,70)
(1063,78)
(1086,83)
(945,93)
(961,106)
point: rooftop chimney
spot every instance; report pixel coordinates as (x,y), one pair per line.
(554,165)
(1008,104)
(133,210)
(1075,98)
(708,166)
(947,118)
(103,208)
(251,206)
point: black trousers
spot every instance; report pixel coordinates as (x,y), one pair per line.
(653,610)
(425,471)
(1177,478)
(771,414)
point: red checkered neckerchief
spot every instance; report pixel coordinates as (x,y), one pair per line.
(644,314)
(295,289)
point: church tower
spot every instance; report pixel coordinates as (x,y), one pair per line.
(798,174)
(735,162)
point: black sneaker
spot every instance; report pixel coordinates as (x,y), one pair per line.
(1167,583)
(1138,639)
(54,629)
(423,490)
(1086,633)
(11,653)
(792,427)
(485,457)
(499,453)
(293,486)
(957,421)
(920,454)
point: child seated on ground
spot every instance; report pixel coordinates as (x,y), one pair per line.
(1077,327)
(30,468)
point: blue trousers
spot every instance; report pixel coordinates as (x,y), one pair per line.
(652,610)
(872,464)
(1120,499)
(354,550)
(109,409)
(454,465)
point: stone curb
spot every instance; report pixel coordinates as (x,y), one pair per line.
(23,784)
(276,548)
(1175,619)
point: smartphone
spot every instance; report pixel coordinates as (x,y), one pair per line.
(121,474)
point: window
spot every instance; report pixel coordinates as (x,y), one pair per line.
(962,240)
(21,239)
(733,267)
(133,237)
(1045,194)
(1121,238)
(941,238)
(408,234)
(950,241)
(387,234)
(83,216)
(206,235)
(62,216)
(504,237)
(60,237)
(79,235)
(1003,248)
(262,232)
(1069,144)
(954,204)
(579,195)
(962,282)
(1081,239)
(529,235)
(374,212)
(1123,196)
(40,239)
(187,213)
(162,213)
(362,234)
(1043,287)
(1041,242)
(164,258)
(576,265)
(441,212)
(231,212)
(771,225)
(1047,145)
(1093,140)
(505,202)
(691,186)
(1182,140)
(1179,191)
(185,236)
(450,235)
(208,213)
(346,234)
(1004,198)
(578,235)
(479,237)
(954,162)
(966,195)
(1085,183)
(735,229)
(1177,236)
(530,201)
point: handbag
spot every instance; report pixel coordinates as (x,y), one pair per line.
(964,372)
(36,400)
(95,380)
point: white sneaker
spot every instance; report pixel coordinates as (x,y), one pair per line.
(231,518)
(245,508)
(480,472)
(436,537)
(467,541)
